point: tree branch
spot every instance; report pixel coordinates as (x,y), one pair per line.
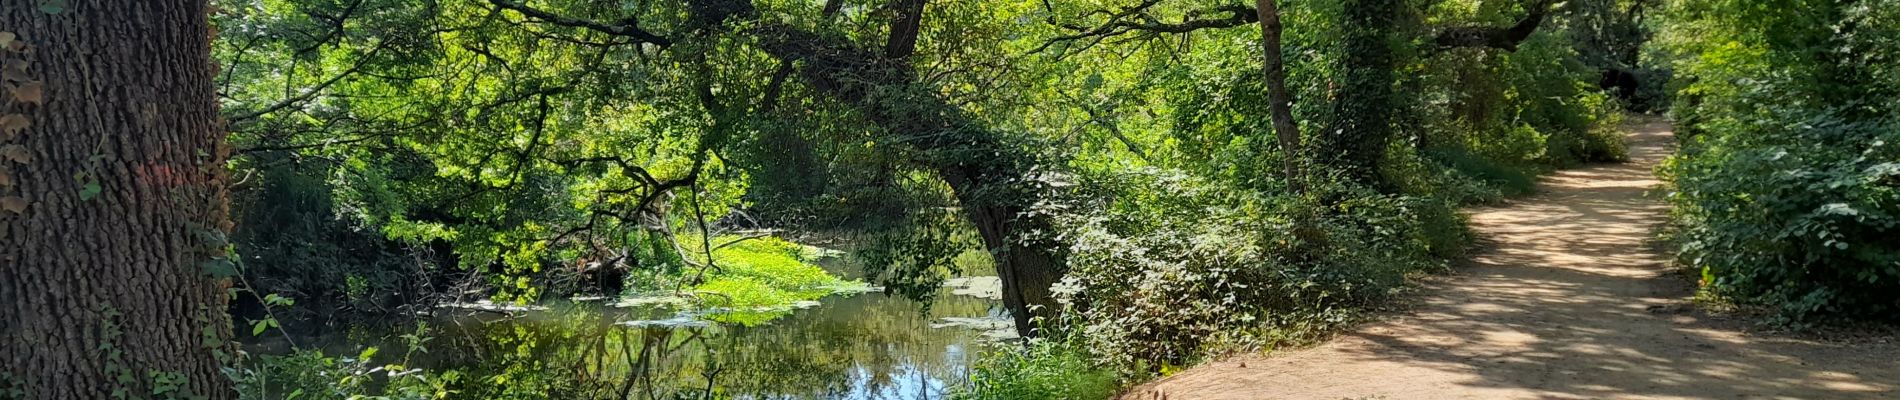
(1136,19)
(307,94)
(629,28)
(1503,38)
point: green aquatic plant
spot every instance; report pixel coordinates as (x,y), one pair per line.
(753,279)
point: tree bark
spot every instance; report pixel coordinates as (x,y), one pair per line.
(115,203)
(1279,99)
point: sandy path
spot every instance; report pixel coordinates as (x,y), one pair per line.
(1569,300)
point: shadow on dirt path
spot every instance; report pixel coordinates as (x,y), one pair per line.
(1569,300)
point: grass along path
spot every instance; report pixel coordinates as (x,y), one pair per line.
(1569,299)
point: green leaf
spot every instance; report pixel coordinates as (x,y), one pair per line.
(53,7)
(257,327)
(208,337)
(219,268)
(90,191)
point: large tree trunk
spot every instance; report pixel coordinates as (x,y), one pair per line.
(1366,103)
(1027,265)
(115,203)
(993,179)
(1279,99)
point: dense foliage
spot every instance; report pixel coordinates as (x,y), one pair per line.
(1184,239)
(405,154)
(588,199)
(1788,182)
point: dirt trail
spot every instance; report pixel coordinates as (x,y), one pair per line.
(1568,300)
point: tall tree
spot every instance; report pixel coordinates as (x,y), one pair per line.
(1376,40)
(114,202)
(1279,99)
(1364,110)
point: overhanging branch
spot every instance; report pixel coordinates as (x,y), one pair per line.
(630,28)
(1138,19)
(1502,38)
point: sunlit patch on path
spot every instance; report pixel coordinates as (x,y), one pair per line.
(1569,299)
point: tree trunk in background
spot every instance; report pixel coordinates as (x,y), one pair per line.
(1027,266)
(993,179)
(909,23)
(1279,99)
(114,203)
(1365,104)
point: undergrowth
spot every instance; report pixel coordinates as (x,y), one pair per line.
(1786,191)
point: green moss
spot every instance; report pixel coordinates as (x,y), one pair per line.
(774,263)
(758,279)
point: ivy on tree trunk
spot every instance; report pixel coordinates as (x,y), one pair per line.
(112,237)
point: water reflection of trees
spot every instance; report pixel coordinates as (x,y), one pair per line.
(867,346)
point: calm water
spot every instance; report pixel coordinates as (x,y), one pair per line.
(863,346)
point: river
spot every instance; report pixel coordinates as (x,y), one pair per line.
(846,346)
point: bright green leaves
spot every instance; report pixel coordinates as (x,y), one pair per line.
(259,326)
(276,300)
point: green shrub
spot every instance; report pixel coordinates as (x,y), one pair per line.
(1047,370)
(1801,218)
(1179,266)
(296,243)
(1606,141)
(311,375)
(1504,180)
(1787,186)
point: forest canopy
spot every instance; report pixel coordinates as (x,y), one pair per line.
(546,149)
(1118,188)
